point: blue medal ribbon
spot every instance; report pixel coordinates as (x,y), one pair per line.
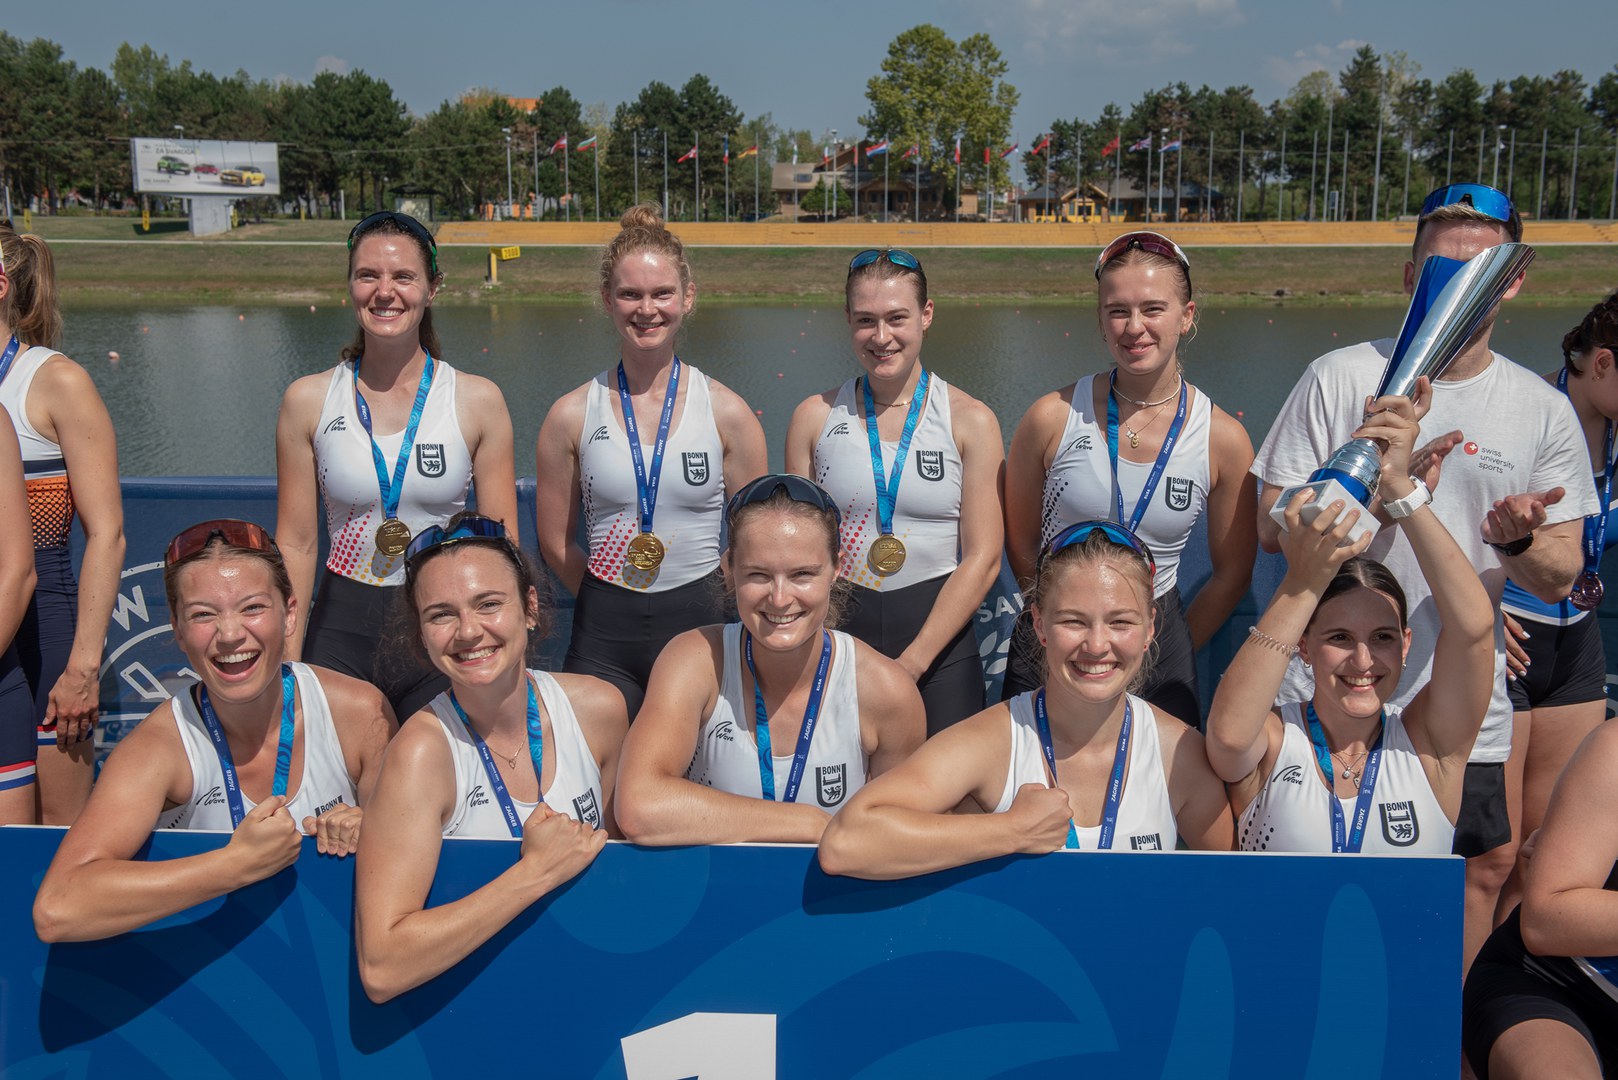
(392,490)
(646,486)
(536,753)
(1115,786)
(761,717)
(1146,493)
(283,750)
(1595,526)
(8,356)
(1343,838)
(887,491)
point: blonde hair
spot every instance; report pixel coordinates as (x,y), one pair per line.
(30,307)
(1090,553)
(642,229)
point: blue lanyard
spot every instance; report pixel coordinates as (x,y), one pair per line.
(227,764)
(8,356)
(1162,462)
(1115,786)
(536,751)
(392,491)
(887,491)
(811,713)
(1595,526)
(1362,806)
(646,488)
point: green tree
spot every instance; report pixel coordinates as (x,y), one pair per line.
(821,199)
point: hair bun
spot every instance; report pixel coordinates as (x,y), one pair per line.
(644,215)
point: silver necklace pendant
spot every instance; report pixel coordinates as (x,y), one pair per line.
(1346,774)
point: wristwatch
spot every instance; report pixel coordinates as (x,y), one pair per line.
(1514,547)
(1403,508)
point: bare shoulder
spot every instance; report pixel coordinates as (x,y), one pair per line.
(972,417)
(153,752)
(880,679)
(595,701)
(356,706)
(1228,435)
(569,408)
(814,408)
(61,375)
(420,748)
(305,396)
(1048,414)
(478,391)
(728,406)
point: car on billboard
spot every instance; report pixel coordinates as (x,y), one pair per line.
(242,176)
(207,170)
(170,164)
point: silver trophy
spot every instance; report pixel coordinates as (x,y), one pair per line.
(1449,303)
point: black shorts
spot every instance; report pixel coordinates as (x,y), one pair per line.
(888,621)
(44,639)
(16,724)
(1567,665)
(1171,684)
(1508,985)
(348,631)
(1483,823)
(618,632)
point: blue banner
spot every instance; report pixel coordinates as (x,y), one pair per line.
(742,961)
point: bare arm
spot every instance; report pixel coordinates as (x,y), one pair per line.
(803,432)
(16,537)
(977,435)
(1201,806)
(558,495)
(1565,909)
(483,411)
(604,719)
(96,887)
(657,805)
(401,943)
(747,456)
(899,825)
(297,500)
(80,424)
(893,721)
(1550,565)
(1026,465)
(1232,539)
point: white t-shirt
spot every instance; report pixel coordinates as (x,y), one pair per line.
(1520,435)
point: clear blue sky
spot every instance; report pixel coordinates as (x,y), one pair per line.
(807,64)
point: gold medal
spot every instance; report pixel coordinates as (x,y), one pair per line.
(645,552)
(392,537)
(887,554)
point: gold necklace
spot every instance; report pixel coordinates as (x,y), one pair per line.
(1348,773)
(1148,404)
(511,759)
(1134,436)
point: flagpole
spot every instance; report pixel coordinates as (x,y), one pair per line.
(727,179)
(958,179)
(918,182)
(636,166)
(886,154)
(1179,170)
(1118,172)
(857,141)
(1047,176)
(595,152)
(1078,164)
(696,176)
(567,185)
(758,138)
(536,176)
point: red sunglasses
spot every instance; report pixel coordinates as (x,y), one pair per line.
(236,533)
(1151,242)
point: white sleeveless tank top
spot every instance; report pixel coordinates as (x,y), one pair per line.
(1145,812)
(1079,484)
(575,786)
(325,782)
(927,514)
(726,757)
(50,498)
(435,482)
(690,495)
(1293,811)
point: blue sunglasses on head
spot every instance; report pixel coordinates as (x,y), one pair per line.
(896,256)
(470,527)
(1079,532)
(797,488)
(1488,201)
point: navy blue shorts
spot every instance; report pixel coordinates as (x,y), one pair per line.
(1567,665)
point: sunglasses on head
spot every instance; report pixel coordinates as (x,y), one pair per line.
(1150,242)
(469,527)
(1488,201)
(797,488)
(896,256)
(403,221)
(1115,533)
(236,533)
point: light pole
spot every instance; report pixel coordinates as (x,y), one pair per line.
(1163,137)
(835,188)
(507,133)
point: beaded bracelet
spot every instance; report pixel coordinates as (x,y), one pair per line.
(1268,642)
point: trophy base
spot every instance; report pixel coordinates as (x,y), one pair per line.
(1326,492)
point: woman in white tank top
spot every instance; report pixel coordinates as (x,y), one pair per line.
(262,748)
(388,442)
(506,752)
(1101,449)
(1343,772)
(922,551)
(760,732)
(645,452)
(1080,763)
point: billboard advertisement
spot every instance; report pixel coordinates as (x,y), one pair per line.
(181,166)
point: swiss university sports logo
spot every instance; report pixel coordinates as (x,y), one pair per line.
(430,459)
(930,464)
(831,784)
(1399,825)
(696,467)
(1178,495)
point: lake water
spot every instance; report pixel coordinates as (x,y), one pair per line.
(196,389)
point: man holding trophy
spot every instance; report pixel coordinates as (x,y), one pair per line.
(1509,477)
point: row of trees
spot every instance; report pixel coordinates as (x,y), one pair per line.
(1366,130)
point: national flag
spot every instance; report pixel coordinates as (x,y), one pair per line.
(1041,146)
(825,155)
(559,144)
(1166,147)
(727,150)
(587,144)
(957,150)
(794,155)
(1107,150)
(1143,144)
(749,152)
(910,153)
(876,148)
(1008,151)
(986,155)
(687,156)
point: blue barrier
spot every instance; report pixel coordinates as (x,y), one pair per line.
(746,961)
